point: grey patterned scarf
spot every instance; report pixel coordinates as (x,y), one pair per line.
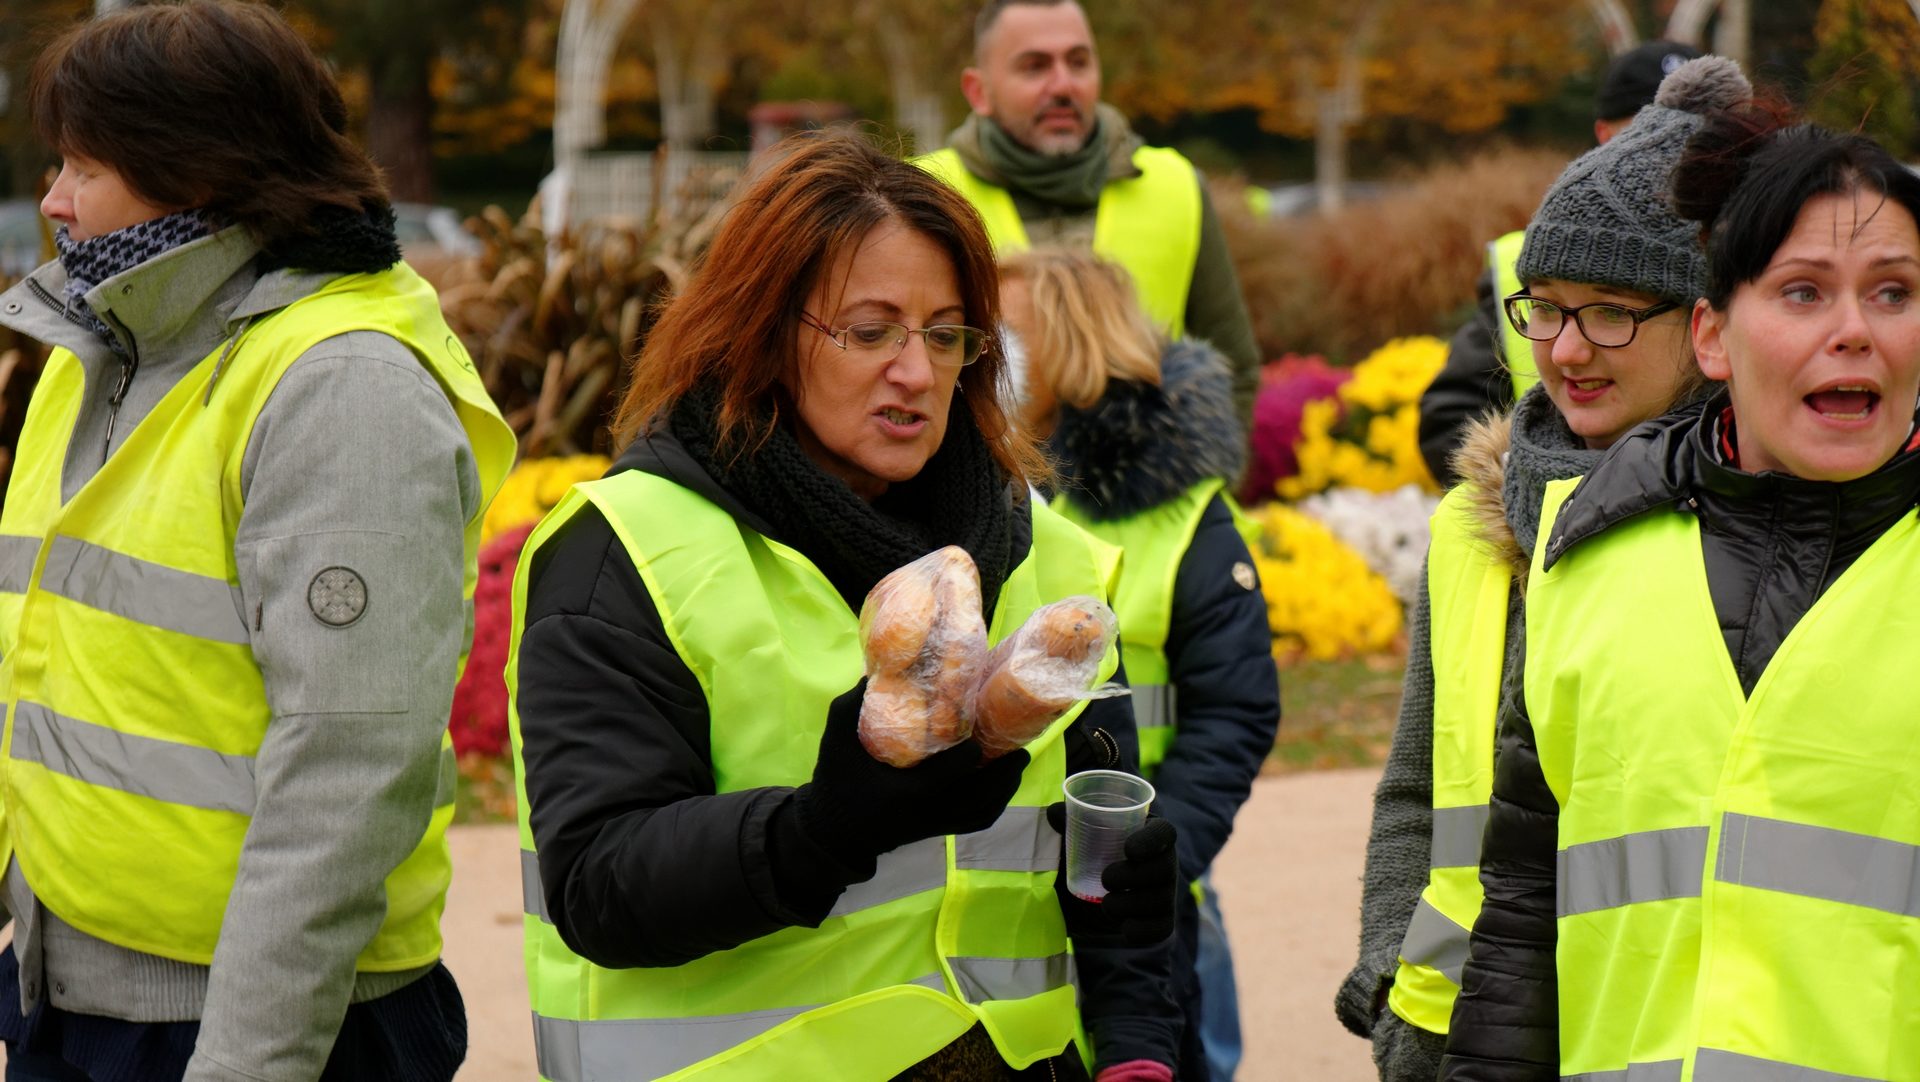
(96,259)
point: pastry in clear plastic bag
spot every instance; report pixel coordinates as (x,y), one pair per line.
(925,642)
(1040,671)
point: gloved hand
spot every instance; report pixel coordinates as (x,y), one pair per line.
(857,807)
(1142,888)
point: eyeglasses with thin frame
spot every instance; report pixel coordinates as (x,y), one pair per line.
(1609,326)
(950,344)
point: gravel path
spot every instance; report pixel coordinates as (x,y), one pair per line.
(1290,880)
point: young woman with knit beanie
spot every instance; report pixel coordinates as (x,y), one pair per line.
(1146,438)
(1610,273)
(1705,821)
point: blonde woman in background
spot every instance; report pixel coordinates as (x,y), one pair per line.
(1146,438)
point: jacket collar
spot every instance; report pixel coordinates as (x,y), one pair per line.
(1672,461)
(1142,445)
(175,304)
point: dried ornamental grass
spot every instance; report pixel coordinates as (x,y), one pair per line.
(552,328)
(1403,263)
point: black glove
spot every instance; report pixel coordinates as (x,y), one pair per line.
(1143,887)
(857,807)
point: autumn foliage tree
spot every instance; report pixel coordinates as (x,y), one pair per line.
(395,48)
(1461,65)
(1865,68)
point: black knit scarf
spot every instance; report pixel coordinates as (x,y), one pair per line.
(96,259)
(961,497)
(338,241)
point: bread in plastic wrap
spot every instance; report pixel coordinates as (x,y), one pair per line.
(1040,671)
(925,642)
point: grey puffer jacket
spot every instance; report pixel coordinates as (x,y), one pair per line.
(1507,460)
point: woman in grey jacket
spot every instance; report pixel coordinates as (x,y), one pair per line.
(1611,273)
(235,558)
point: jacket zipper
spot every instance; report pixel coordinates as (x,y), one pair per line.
(66,311)
(127,363)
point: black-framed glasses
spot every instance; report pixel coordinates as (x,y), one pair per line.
(949,344)
(1606,325)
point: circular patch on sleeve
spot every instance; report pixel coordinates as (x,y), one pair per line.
(337,596)
(1243,574)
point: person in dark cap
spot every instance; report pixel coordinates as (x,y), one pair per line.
(1488,364)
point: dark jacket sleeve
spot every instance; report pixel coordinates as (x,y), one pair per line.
(1220,660)
(641,861)
(1126,993)
(1505,1024)
(1217,311)
(1474,382)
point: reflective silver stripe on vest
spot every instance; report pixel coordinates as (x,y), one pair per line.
(17,554)
(1714,1065)
(1435,941)
(1456,835)
(166,771)
(1649,866)
(1819,862)
(1666,1070)
(982,979)
(1019,841)
(533,898)
(146,593)
(903,873)
(569,1051)
(1154,706)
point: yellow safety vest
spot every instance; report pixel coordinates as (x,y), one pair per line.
(1736,883)
(1149,224)
(1503,260)
(1154,542)
(948,934)
(1467,593)
(134,705)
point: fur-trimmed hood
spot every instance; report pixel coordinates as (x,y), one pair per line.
(1481,464)
(1506,461)
(1142,445)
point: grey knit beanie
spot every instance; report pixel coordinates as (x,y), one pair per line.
(1608,219)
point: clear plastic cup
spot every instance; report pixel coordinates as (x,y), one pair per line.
(1103,807)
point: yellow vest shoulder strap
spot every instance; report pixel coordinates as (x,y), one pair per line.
(1512,347)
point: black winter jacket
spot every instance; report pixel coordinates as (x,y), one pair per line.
(643,863)
(1137,448)
(1771,545)
(1474,383)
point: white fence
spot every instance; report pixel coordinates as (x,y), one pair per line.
(622,185)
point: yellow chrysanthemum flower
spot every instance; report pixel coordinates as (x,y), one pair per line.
(1368,436)
(1322,600)
(534,487)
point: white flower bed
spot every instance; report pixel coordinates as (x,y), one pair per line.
(1388,529)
